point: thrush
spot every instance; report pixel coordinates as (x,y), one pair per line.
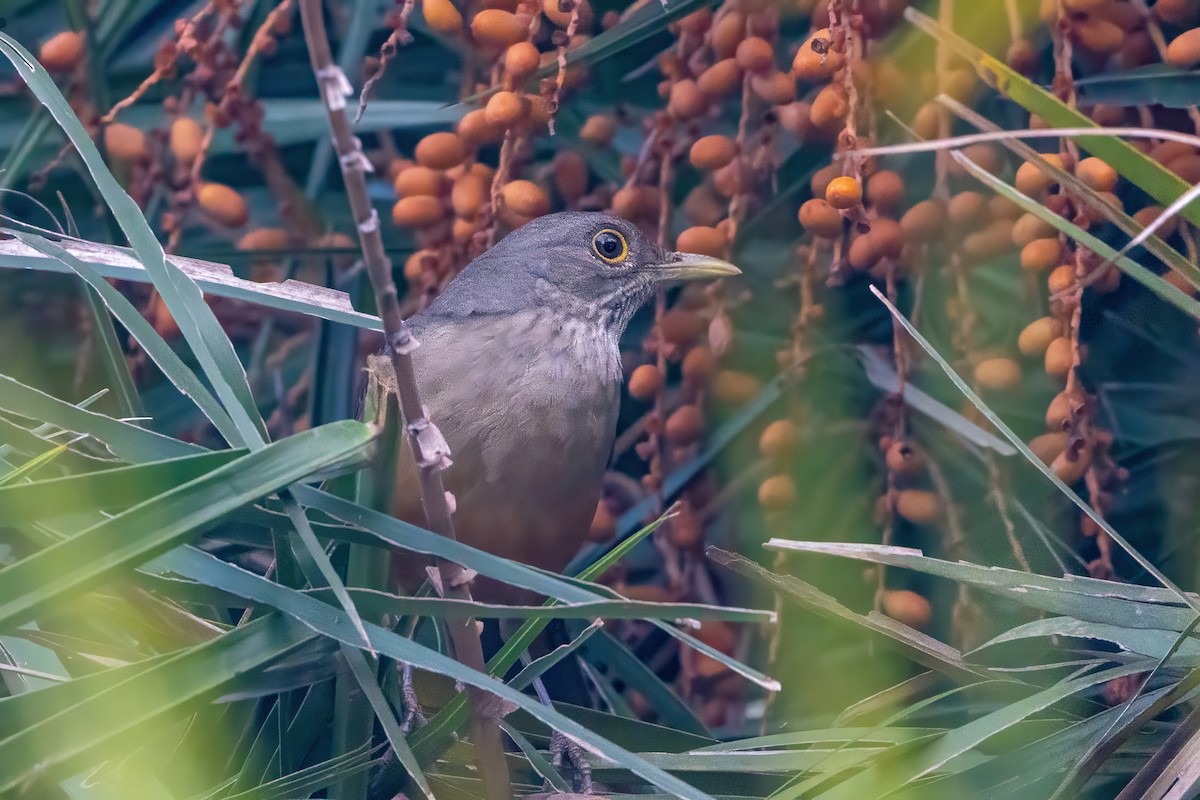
(519,366)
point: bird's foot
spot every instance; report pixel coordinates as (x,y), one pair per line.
(412,705)
(560,747)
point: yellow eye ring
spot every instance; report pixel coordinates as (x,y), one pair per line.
(610,246)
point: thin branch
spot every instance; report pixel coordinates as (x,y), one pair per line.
(429,449)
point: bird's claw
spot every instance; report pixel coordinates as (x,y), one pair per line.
(561,746)
(412,705)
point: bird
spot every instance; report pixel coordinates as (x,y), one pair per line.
(519,366)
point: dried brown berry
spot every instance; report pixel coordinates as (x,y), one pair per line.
(1038,335)
(1048,446)
(441,150)
(1177,12)
(686,100)
(698,365)
(1030,227)
(1096,174)
(703,240)
(1099,36)
(636,202)
(474,129)
(712,152)
(994,240)
(1070,465)
(927,121)
(569,172)
(187,138)
(1031,180)
(821,219)
(645,382)
(263,239)
(817,63)
(604,525)
(463,230)
(864,252)
(918,506)
(728,179)
(1184,50)
(442,17)
(560,13)
(419,264)
(727,34)
(497,28)
(685,426)
(1041,255)
(755,54)
(682,328)
(924,221)
(823,177)
(1058,412)
(521,60)
(829,107)
(471,191)
(599,129)
(525,198)
(1060,357)
(908,608)
(418,211)
(775,88)
(721,78)
(125,142)
(506,109)
(62,52)
(418,180)
(967,210)
(885,191)
(903,459)
(998,374)
(1060,278)
(1150,213)
(1186,167)
(224,204)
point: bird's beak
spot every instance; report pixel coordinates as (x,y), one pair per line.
(692,267)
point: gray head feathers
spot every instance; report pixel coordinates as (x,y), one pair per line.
(556,261)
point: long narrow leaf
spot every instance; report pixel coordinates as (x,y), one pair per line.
(125,440)
(172,366)
(154,526)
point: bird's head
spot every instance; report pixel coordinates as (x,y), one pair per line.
(583,264)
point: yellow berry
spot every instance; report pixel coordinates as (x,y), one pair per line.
(645,382)
(843,193)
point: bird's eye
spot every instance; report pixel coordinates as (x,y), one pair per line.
(611,246)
